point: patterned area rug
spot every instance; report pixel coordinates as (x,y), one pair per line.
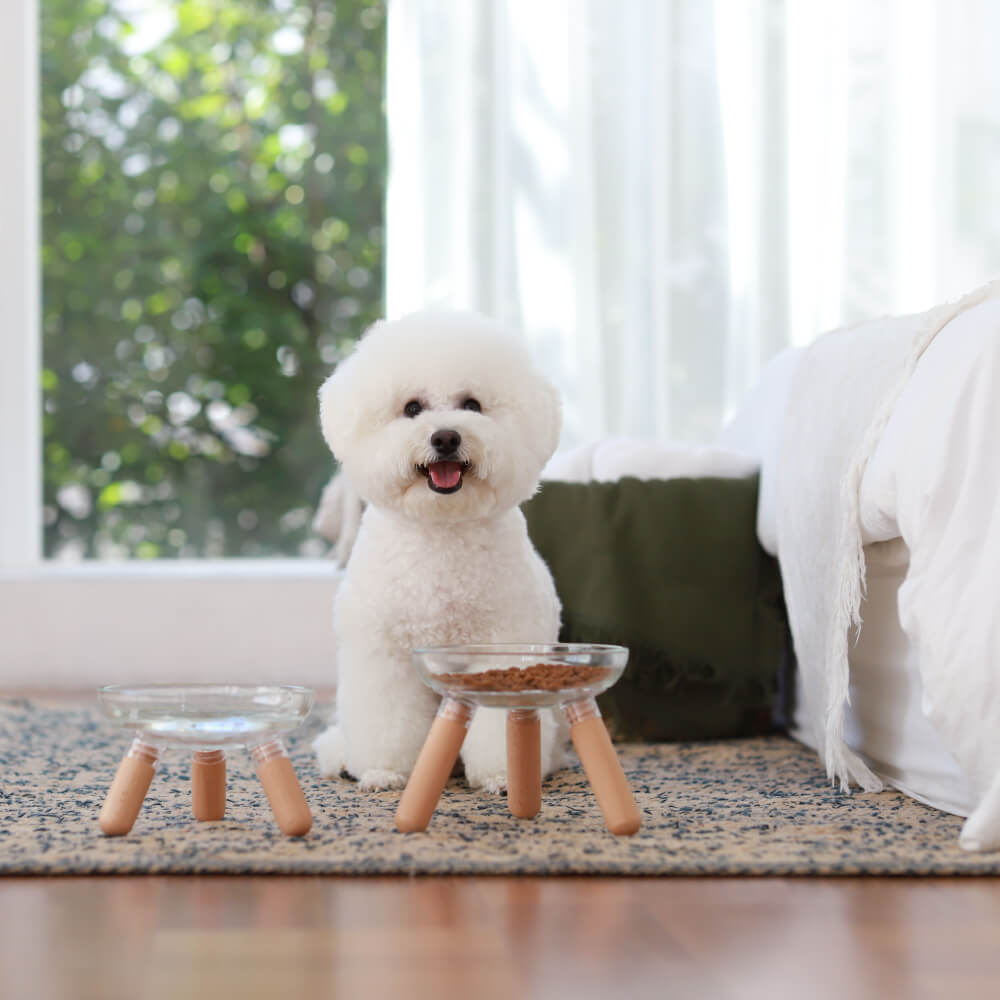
(760,806)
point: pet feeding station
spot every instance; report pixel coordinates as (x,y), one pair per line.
(206,719)
(523,679)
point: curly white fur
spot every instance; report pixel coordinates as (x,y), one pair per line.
(428,567)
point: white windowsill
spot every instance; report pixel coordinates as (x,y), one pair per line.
(224,621)
(177,569)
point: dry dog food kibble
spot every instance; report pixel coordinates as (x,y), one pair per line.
(539,677)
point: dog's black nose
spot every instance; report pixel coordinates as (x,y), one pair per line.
(446,442)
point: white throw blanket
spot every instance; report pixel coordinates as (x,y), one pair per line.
(842,395)
(611,459)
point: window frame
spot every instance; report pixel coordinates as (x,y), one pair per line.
(76,625)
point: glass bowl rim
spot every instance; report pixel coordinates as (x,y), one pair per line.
(197,714)
(203,688)
(519,648)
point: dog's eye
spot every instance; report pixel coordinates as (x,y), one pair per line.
(413,408)
(472,404)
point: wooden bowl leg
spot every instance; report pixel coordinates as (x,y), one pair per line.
(128,789)
(524,762)
(603,769)
(208,784)
(291,811)
(434,766)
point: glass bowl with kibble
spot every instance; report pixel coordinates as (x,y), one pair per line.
(524,679)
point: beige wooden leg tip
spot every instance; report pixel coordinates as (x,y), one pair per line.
(297,827)
(410,824)
(114,827)
(525,813)
(625,827)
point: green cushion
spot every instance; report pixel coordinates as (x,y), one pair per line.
(673,570)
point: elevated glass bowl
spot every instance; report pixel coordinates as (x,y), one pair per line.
(206,719)
(206,715)
(453,671)
(523,679)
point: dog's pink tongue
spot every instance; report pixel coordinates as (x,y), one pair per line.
(444,475)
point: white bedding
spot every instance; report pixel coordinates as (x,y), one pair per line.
(885,721)
(934,480)
(924,675)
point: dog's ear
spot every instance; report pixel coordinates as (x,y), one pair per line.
(548,404)
(334,408)
(377,325)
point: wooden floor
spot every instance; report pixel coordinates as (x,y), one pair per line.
(243,937)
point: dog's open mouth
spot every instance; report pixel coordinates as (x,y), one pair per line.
(444,477)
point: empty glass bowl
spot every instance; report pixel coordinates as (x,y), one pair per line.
(206,719)
(206,715)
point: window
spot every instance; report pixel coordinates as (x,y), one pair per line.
(210,178)
(212,187)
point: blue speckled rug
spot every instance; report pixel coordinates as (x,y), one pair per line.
(750,807)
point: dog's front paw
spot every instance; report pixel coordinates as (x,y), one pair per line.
(329,750)
(377,781)
(495,784)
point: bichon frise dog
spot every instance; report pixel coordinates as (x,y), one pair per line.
(442,423)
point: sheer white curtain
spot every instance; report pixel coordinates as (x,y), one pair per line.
(663,193)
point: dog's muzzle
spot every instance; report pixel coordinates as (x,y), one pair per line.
(445,474)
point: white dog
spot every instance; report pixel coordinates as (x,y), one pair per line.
(442,423)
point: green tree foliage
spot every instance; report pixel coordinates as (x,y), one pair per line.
(213,185)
